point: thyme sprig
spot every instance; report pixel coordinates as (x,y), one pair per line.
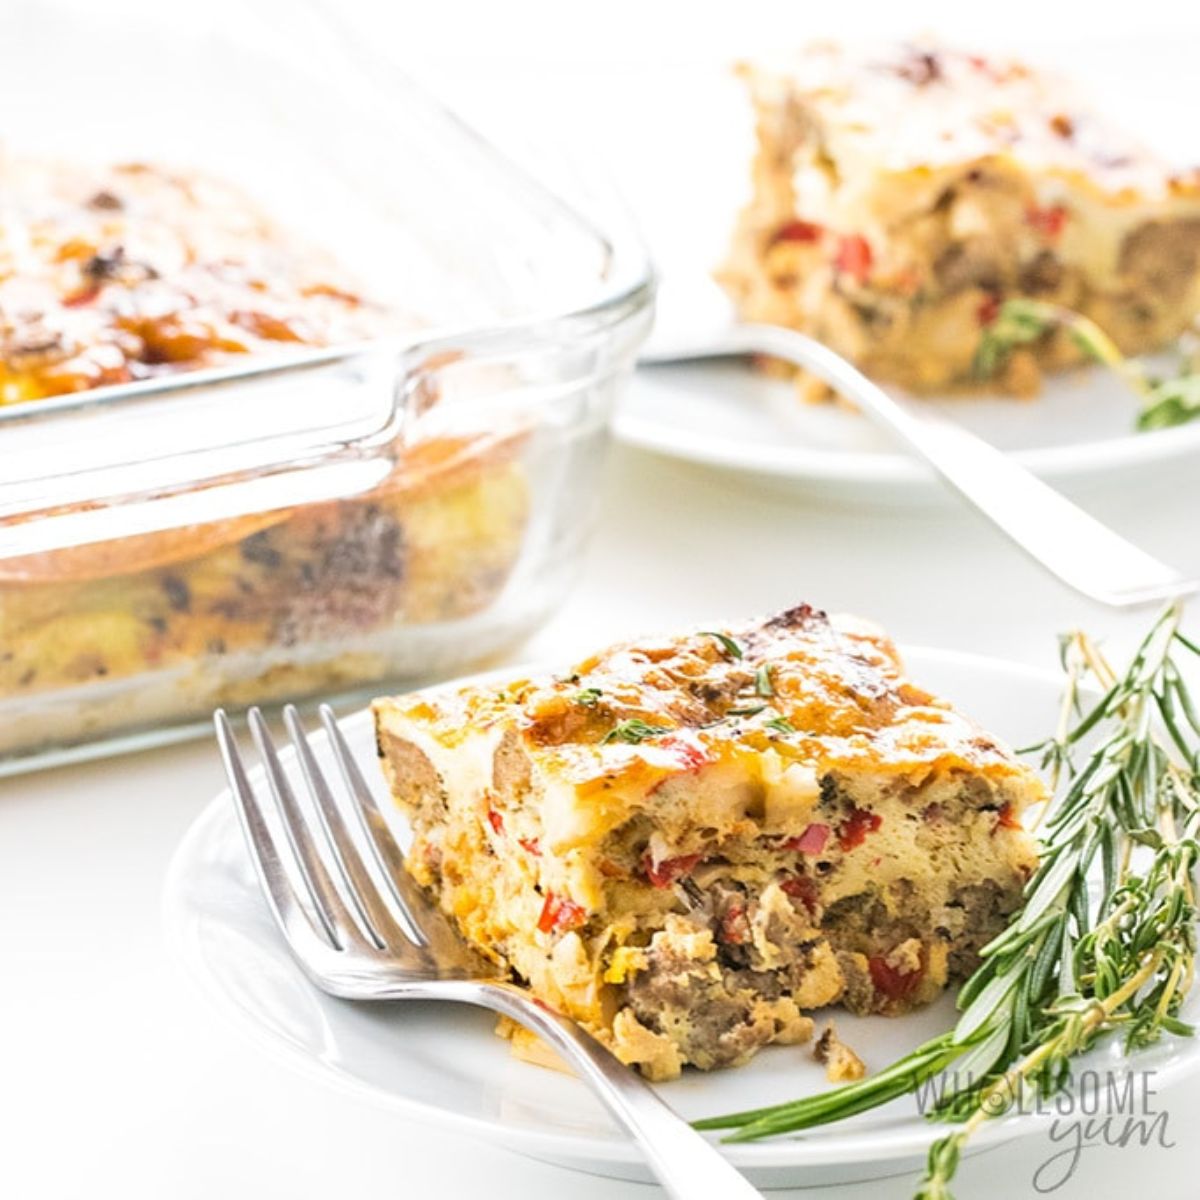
(1072,967)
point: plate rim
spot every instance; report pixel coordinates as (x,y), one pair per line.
(1076,461)
(811,1149)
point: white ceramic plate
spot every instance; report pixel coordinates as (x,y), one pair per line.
(444,1064)
(1077,435)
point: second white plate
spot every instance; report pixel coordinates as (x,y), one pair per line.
(1078,434)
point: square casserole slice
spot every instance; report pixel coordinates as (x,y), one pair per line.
(901,193)
(688,843)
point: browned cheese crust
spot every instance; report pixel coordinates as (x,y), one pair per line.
(115,274)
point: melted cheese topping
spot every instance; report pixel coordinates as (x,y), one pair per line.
(801,697)
(887,129)
(887,108)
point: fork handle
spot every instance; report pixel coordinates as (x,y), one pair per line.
(686,1165)
(1070,543)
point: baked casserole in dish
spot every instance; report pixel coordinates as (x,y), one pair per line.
(277,425)
(688,843)
(902,193)
(119,273)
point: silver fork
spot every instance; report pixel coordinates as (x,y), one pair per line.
(696,321)
(361,928)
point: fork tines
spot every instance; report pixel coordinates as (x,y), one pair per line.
(325,892)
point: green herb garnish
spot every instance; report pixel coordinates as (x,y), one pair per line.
(1017,323)
(749,711)
(780,725)
(762,682)
(727,643)
(1173,400)
(1072,967)
(633,731)
(588,697)
(1022,321)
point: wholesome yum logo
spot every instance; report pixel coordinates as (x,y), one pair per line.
(1093,1108)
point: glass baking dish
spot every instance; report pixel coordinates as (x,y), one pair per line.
(320,521)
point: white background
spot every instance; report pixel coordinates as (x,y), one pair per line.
(115,1081)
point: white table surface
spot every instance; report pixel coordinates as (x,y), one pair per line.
(116,1081)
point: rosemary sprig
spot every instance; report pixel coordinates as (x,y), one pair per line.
(1069,969)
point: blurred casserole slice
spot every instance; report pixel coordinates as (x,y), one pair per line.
(687,843)
(902,193)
